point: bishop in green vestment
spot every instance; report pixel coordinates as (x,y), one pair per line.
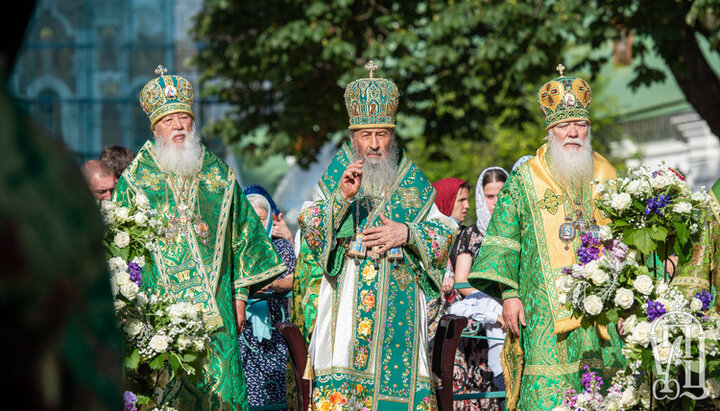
(383,247)
(544,207)
(213,249)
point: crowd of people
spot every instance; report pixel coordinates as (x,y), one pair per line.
(381,255)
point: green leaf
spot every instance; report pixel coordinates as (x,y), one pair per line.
(158,362)
(174,361)
(658,233)
(189,357)
(641,239)
(142,399)
(131,362)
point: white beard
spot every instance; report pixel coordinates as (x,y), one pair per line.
(183,161)
(571,167)
(378,173)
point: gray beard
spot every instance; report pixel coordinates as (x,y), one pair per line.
(184,161)
(569,166)
(378,174)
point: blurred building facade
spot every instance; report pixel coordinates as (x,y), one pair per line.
(85,61)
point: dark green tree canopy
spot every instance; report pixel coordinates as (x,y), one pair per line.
(459,65)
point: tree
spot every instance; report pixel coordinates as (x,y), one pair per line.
(677,29)
(464,68)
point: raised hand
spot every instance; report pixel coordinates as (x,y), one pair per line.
(350,180)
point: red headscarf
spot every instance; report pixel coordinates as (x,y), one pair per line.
(447,190)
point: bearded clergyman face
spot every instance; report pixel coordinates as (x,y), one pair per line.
(378,150)
(571,154)
(177,145)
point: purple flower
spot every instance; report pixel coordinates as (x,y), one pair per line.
(705,297)
(130,400)
(590,249)
(656,204)
(135,273)
(655,310)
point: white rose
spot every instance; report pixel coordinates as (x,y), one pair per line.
(661,288)
(562,298)
(629,323)
(662,353)
(108,206)
(122,239)
(683,207)
(133,327)
(605,233)
(593,305)
(114,287)
(644,284)
(119,305)
(191,312)
(116,265)
(159,343)
(122,213)
(696,304)
(142,202)
(712,387)
(640,334)
(141,219)
(620,201)
(176,311)
(562,284)
(141,299)
(198,344)
(635,187)
(185,342)
(122,279)
(631,256)
(129,290)
(629,397)
(561,408)
(599,276)
(624,298)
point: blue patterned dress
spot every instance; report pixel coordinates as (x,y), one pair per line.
(264,362)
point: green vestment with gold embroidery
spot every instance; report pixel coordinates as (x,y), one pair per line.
(369,344)
(520,257)
(701,272)
(214,251)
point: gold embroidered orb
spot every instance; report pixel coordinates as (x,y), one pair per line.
(564,99)
(166,95)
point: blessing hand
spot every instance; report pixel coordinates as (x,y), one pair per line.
(350,180)
(390,234)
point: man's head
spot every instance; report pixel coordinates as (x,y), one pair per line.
(167,100)
(571,153)
(378,150)
(99,178)
(118,158)
(177,145)
(371,104)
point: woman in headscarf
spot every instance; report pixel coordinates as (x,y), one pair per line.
(262,348)
(452,200)
(475,367)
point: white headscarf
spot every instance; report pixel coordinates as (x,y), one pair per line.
(481,208)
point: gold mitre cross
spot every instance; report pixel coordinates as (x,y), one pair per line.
(160,70)
(371,67)
(560,68)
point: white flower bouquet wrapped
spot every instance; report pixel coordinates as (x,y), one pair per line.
(655,210)
(160,334)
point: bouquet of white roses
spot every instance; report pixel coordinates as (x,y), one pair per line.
(655,210)
(607,281)
(159,333)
